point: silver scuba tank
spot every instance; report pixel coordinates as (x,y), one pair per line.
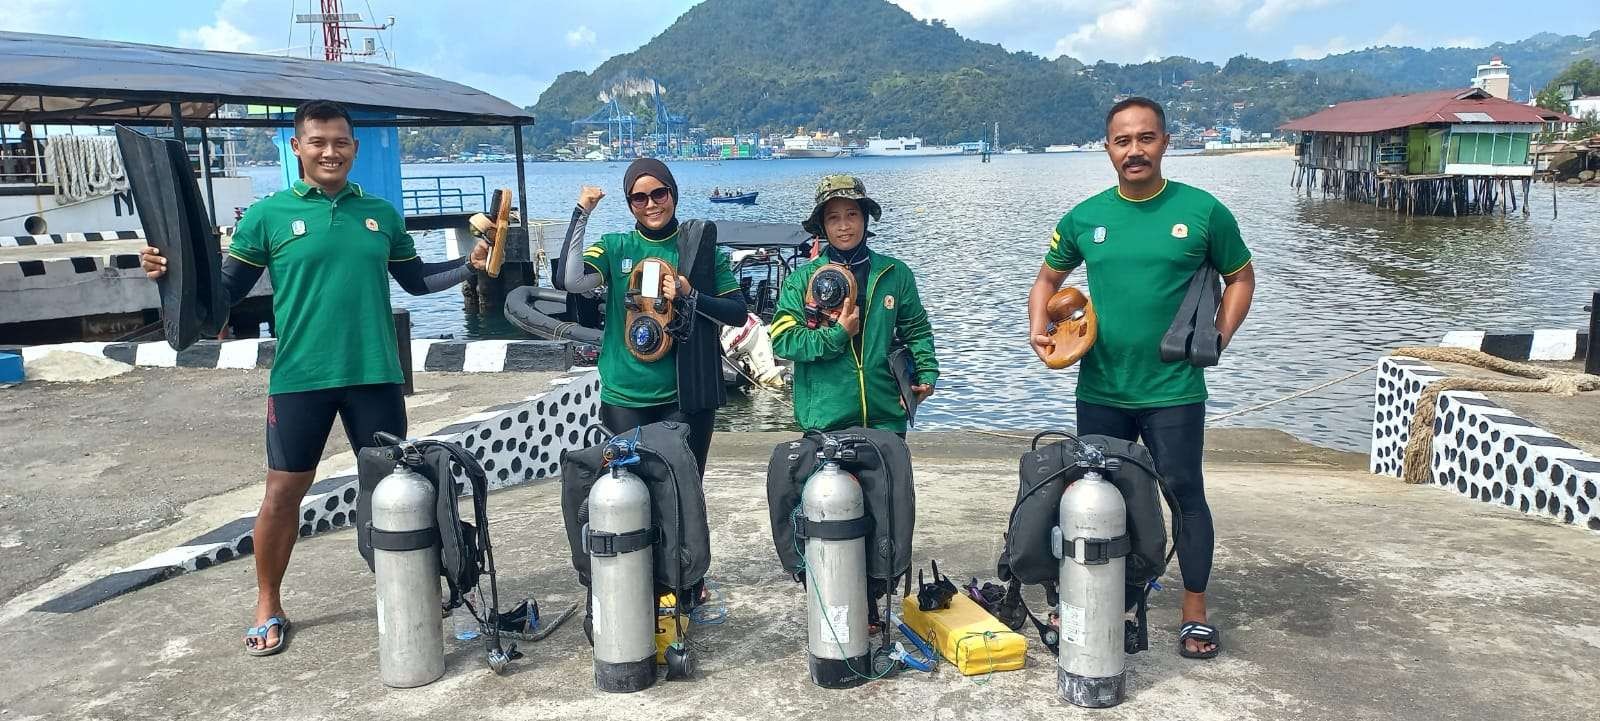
(617,538)
(405,563)
(836,577)
(1091,542)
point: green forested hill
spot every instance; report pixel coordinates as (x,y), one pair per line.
(868,67)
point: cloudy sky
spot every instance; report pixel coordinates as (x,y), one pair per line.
(515,49)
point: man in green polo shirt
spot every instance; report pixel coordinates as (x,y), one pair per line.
(1142,242)
(330,250)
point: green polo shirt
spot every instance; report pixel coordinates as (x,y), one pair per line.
(625,380)
(1140,257)
(329,262)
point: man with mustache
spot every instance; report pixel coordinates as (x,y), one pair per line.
(330,250)
(1142,242)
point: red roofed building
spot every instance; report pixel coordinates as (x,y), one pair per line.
(1447,152)
(1447,132)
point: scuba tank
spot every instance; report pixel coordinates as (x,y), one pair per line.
(1092,543)
(618,538)
(835,530)
(405,544)
(410,531)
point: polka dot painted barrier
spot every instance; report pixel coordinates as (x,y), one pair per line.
(1483,451)
(516,443)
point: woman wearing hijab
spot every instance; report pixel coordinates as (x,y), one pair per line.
(844,367)
(685,384)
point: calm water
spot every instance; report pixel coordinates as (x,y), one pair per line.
(1337,283)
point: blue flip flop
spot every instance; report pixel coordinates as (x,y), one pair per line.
(261,631)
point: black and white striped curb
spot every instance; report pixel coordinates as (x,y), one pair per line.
(427,354)
(117,263)
(1540,345)
(18,241)
(517,443)
(1482,450)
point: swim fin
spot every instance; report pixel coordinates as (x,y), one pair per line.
(194,303)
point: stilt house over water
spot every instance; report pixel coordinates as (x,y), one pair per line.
(1449,152)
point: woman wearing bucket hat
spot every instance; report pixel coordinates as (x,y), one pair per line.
(864,358)
(685,382)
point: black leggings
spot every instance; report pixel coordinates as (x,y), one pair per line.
(618,419)
(1175,436)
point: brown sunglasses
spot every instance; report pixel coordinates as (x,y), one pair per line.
(659,195)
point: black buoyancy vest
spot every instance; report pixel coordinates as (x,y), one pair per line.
(883,468)
(682,550)
(460,548)
(1044,474)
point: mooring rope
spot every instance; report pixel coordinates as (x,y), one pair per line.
(1414,468)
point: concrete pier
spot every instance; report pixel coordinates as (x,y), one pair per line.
(1340,594)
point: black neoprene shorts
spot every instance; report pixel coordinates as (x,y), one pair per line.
(298,423)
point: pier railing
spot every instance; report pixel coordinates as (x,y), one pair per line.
(435,194)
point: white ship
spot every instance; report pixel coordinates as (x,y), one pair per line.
(1093,147)
(68,185)
(903,147)
(812,146)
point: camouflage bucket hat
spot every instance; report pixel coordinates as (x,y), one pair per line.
(839,186)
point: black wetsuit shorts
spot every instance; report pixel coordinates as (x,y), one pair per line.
(298,423)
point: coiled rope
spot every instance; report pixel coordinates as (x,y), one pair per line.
(83,167)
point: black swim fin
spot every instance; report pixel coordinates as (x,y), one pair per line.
(171,210)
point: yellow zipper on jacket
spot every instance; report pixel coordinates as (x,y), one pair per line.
(861,333)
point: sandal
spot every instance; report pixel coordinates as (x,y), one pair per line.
(260,633)
(1204,633)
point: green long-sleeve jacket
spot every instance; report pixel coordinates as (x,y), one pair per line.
(842,381)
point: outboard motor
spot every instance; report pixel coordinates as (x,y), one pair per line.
(617,538)
(405,549)
(1092,543)
(835,531)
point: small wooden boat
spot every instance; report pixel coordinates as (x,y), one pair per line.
(741,199)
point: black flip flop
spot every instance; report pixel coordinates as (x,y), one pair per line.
(1204,633)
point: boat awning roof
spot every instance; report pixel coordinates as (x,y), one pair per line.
(746,235)
(76,81)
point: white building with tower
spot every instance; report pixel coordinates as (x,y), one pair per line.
(1494,78)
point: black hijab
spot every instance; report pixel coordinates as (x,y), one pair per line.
(658,170)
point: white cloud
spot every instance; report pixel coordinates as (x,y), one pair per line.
(222,34)
(579,36)
(957,12)
(31,16)
(1466,42)
(1273,12)
(1136,30)
(1397,34)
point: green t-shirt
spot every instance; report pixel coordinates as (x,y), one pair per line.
(329,262)
(625,380)
(1140,257)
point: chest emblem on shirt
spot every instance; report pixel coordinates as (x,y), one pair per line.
(1100,234)
(372,225)
(298,227)
(888,302)
(1180,231)
(627,265)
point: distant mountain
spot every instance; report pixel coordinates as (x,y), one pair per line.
(868,66)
